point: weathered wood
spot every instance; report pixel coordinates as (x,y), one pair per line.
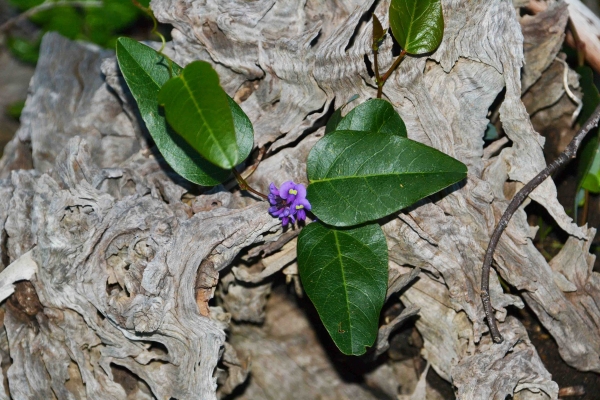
(129,256)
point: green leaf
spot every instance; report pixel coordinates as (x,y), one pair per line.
(591,180)
(102,23)
(336,117)
(25,4)
(375,115)
(15,109)
(591,97)
(378,33)
(362,176)
(145,71)
(417,25)
(588,165)
(197,108)
(25,50)
(333,121)
(344,273)
(64,19)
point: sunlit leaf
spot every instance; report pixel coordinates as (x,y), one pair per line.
(145,71)
(417,25)
(197,108)
(375,115)
(357,177)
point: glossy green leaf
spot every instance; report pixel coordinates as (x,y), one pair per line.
(344,273)
(357,177)
(198,109)
(417,25)
(375,115)
(588,163)
(145,71)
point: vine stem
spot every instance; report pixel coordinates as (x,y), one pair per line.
(45,6)
(244,185)
(384,78)
(569,153)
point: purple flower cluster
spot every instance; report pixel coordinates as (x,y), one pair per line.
(289,202)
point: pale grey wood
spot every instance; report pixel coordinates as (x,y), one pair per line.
(130,256)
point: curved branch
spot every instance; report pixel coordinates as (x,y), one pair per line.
(569,153)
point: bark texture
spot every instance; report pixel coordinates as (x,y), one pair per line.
(128,256)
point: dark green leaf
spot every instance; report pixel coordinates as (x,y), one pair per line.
(417,25)
(333,121)
(197,108)
(65,20)
(145,71)
(588,163)
(591,180)
(25,50)
(591,97)
(102,23)
(336,117)
(378,33)
(15,109)
(362,176)
(375,115)
(25,4)
(344,273)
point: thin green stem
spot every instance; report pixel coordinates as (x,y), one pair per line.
(155,31)
(384,78)
(376,65)
(244,185)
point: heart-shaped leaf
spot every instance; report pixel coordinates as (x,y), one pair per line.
(145,71)
(357,177)
(344,273)
(375,115)
(198,109)
(417,25)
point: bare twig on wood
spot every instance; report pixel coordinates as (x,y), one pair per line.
(569,153)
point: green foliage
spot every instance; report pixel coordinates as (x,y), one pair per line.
(25,50)
(417,25)
(357,177)
(344,273)
(102,24)
(99,25)
(15,109)
(197,108)
(145,71)
(373,115)
(588,171)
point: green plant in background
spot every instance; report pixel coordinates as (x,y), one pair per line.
(588,166)
(365,168)
(95,21)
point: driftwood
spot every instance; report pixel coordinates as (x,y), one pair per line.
(129,257)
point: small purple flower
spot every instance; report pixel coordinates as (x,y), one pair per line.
(289,202)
